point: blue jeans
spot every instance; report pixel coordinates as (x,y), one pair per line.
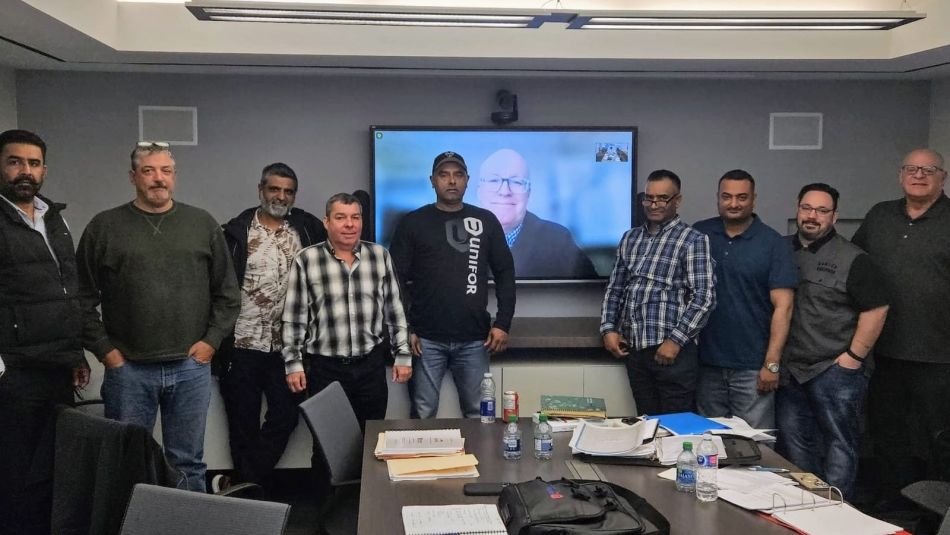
(134,391)
(468,362)
(818,424)
(729,392)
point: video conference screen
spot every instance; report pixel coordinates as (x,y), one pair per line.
(562,195)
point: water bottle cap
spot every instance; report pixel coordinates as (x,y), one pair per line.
(487,374)
(687,446)
(542,417)
(512,418)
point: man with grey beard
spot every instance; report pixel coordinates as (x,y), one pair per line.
(263,241)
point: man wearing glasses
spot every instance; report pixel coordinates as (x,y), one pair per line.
(540,248)
(840,307)
(659,296)
(162,273)
(741,346)
(443,253)
(41,358)
(909,238)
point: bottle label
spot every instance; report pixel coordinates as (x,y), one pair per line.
(708,461)
(685,477)
(544,445)
(512,444)
(488,407)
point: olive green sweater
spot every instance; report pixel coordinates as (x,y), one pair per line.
(164,282)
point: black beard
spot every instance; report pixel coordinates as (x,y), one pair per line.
(22,189)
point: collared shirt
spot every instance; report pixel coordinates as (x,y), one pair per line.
(749,266)
(336,310)
(37,223)
(662,286)
(512,236)
(914,255)
(270,254)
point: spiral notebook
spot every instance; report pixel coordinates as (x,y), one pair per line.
(468,519)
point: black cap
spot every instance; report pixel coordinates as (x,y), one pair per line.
(448,157)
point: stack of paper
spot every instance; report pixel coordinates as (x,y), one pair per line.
(481,519)
(738,426)
(432,467)
(613,438)
(574,406)
(419,443)
(669,448)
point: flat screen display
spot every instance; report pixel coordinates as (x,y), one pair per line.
(563,195)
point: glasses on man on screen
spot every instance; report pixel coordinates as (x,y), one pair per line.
(516,185)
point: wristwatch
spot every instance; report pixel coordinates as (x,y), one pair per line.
(772,367)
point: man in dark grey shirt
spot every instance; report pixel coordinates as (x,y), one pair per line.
(909,409)
(840,307)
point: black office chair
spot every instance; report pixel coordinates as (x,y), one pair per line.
(336,435)
(155,510)
(932,495)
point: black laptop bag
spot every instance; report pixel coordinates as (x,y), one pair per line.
(569,507)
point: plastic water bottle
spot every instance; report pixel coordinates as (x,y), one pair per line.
(487,405)
(511,443)
(543,440)
(707,460)
(686,469)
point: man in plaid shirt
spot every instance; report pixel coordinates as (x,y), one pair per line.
(342,300)
(659,297)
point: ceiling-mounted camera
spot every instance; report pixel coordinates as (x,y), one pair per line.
(508,104)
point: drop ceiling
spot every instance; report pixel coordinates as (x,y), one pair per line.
(108,35)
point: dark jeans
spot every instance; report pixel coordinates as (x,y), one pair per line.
(663,389)
(27,399)
(255,447)
(363,380)
(908,406)
(818,424)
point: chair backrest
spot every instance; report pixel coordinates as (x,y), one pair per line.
(335,429)
(159,511)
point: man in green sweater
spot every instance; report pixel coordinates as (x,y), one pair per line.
(161,271)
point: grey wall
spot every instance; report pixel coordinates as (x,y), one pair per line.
(698,128)
(8,113)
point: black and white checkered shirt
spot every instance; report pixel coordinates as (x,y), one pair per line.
(339,311)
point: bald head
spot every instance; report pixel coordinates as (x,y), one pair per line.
(504,187)
(926,154)
(504,163)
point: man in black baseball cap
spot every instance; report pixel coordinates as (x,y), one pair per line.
(448,157)
(445,250)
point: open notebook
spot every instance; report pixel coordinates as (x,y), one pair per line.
(469,519)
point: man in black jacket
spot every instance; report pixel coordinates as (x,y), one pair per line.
(263,242)
(40,326)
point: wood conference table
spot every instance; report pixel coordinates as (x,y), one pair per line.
(381,500)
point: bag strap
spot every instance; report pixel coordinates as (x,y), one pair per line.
(643,507)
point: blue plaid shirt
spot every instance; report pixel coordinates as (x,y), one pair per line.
(662,286)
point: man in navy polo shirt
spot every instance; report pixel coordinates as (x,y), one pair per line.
(756,277)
